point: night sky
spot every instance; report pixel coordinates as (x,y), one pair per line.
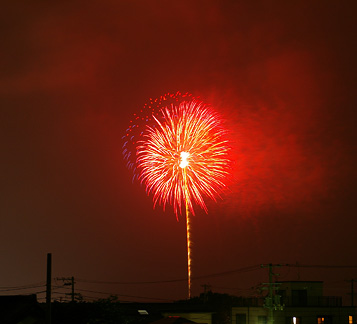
(281,74)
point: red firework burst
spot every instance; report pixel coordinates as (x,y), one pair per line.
(185,157)
(142,120)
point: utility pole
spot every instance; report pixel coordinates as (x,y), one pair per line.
(69,282)
(272,301)
(48,288)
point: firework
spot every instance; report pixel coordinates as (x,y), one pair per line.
(184,158)
(181,156)
(140,122)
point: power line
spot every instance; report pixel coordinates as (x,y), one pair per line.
(58,293)
(219,274)
(120,295)
(3,289)
(321,266)
(38,284)
(29,287)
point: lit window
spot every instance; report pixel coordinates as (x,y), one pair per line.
(324,319)
(143,312)
(293,320)
(296,320)
(350,319)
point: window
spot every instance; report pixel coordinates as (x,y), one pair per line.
(324,320)
(240,318)
(262,320)
(350,319)
(293,320)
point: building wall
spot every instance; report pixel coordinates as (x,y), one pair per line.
(311,315)
(252,314)
(303,315)
(202,318)
(313,288)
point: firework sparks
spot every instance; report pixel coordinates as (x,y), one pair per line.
(181,157)
(184,161)
(184,158)
(144,118)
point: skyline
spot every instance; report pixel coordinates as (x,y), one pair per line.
(282,77)
(65,289)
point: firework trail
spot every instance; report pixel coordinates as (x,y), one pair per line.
(181,158)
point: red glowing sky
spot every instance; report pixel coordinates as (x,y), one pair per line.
(283,77)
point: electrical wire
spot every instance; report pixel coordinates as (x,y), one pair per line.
(120,295)
(58,289)
(38,284)
(321,266)
(3,289)
(219,274)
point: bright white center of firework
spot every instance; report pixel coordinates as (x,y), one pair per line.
(184,162)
